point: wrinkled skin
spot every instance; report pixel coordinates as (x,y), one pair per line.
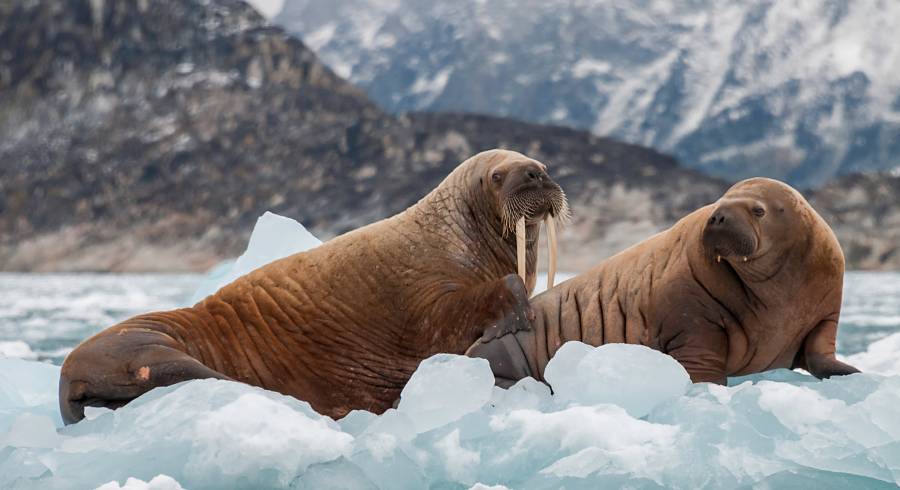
(750,283)
(344,325)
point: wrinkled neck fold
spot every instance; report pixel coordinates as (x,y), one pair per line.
(463,216)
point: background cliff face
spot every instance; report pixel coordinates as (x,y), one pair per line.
(797,90)
(145,136)
(864,211)
(142,136)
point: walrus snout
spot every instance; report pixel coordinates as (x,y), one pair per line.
(529,177)
(729,232)
(530,197)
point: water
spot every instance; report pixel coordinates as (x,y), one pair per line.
(51,313)
(871,309)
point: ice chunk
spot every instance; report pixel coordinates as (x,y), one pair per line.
(579,441)
(882,357)
(205,434)
(634,377)
(159,482)
(30,430)
(800,478)
(526,393)
(287,440)
(356,421)
(28,386)
(460,463)
(444,388)
(563,367)
(338,474)
(17,349)
(273,237)
(27,383)
(91,413)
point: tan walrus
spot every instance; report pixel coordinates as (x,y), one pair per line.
(343,326)
(750,283)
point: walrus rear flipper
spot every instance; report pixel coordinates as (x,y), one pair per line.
(817,355)
(111,369)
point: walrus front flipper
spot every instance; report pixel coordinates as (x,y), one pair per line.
(817,355)
(506,357)
(513,297)
(701,348)
(117,366)
(483,311)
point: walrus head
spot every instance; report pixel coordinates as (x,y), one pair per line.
(757,218)
(524,195)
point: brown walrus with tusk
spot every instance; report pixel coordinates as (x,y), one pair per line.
(749,283)
(343,326)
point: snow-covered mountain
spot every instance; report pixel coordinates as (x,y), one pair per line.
(796,89)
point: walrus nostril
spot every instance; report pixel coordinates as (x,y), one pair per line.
(717,219)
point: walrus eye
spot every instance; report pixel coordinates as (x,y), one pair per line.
(496,177)
(759,212)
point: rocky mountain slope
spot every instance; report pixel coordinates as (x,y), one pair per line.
(150,135)
(801,91)
(140,136)
(864,211)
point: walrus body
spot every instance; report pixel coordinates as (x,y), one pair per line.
(344,325)
(750,283)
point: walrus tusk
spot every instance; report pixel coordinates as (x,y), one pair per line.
(551,242)
(745,259)
(520,247)
(718,258)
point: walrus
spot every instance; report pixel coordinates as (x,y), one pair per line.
(750,283)
(343,326)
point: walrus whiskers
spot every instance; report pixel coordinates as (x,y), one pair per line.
(519,208)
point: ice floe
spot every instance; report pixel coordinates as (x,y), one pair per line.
(635,421)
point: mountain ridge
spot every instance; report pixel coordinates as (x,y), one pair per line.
(154,144)
(162,160)
(800,91)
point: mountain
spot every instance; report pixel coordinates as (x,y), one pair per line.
(864,211)
(140,136)
(797,90)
